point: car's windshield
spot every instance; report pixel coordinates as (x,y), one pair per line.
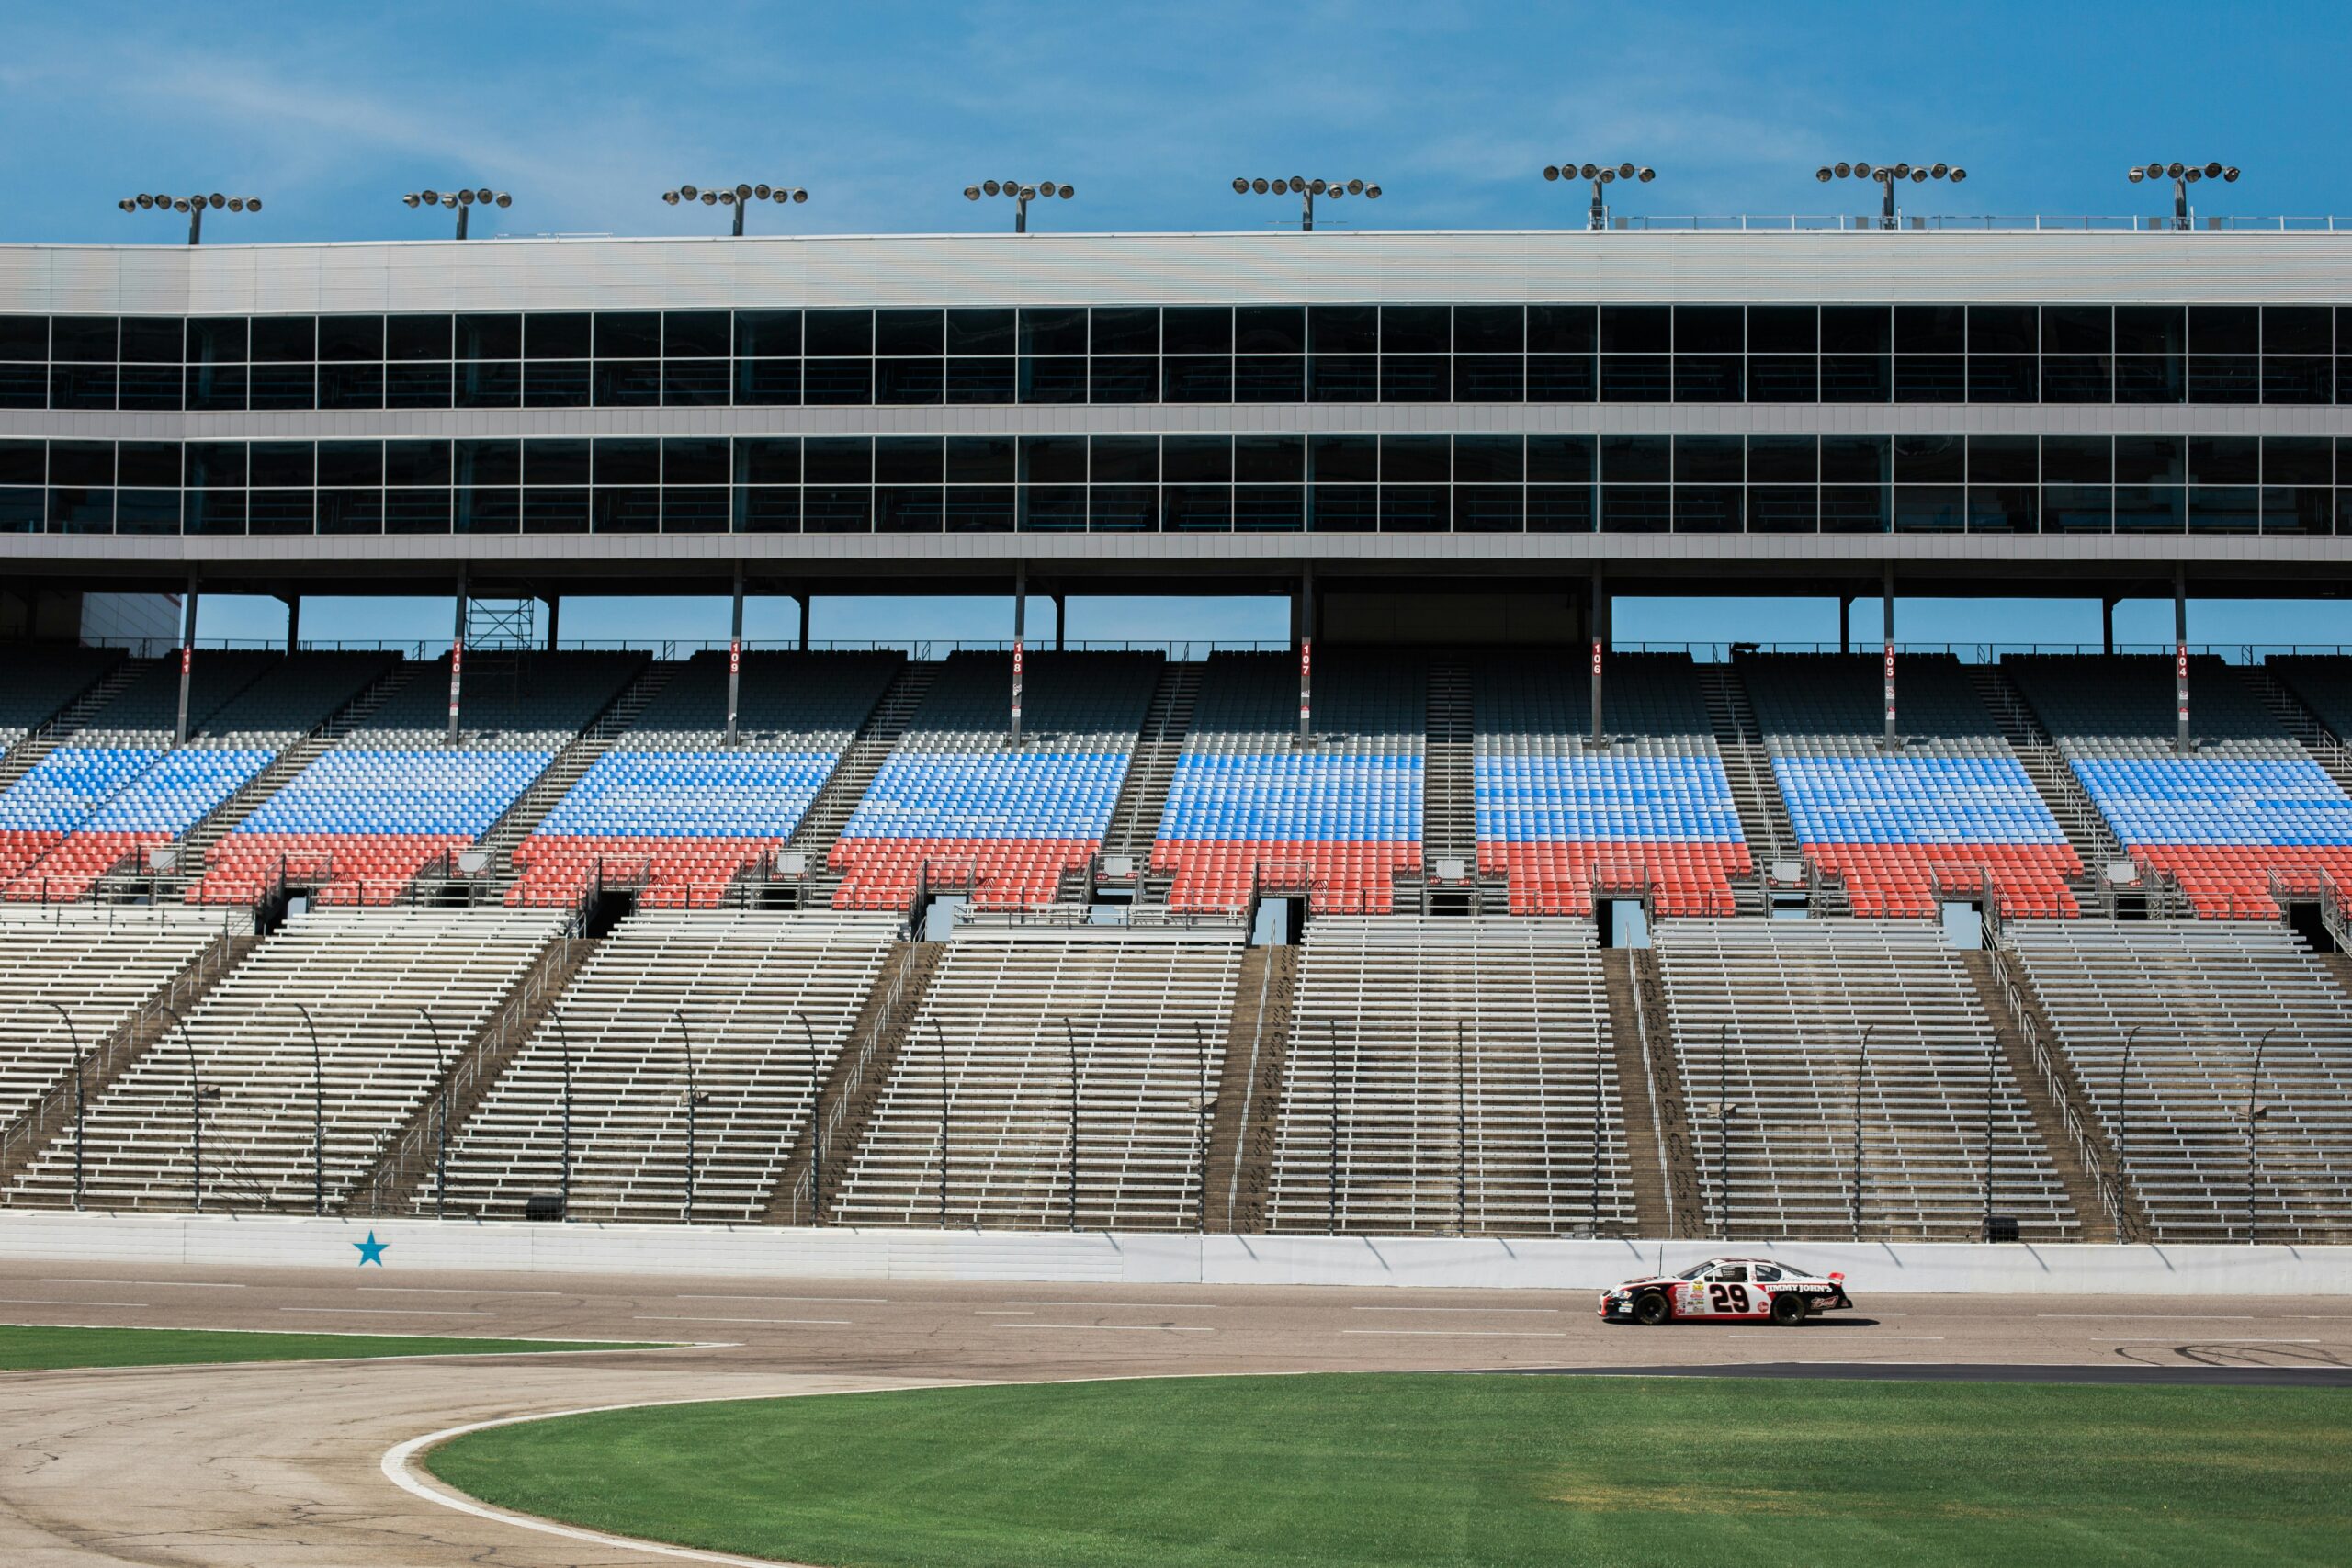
(1694,1271)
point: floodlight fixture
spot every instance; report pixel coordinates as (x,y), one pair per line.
(464,201)
(1598,175)
(735,198)
(1888,177)
(2182,176)
(193,206)
(1307,190)
(1021,192)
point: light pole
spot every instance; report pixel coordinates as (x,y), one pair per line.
(1861,1076)
(2254,1113)
(197,1095)
(694,1103)
(1461,1134)
(1201,1126)
(1888,177)
(736,199)
(441,1148)
(816,1124)
(74,1037)
(1070,1039)
(563,1058)
(318,1116)
(1021,195)
(1307,190)
(940,1041)
(464,201)
(193,206)
(2182,176)
(2123,1122)
(1332,1183)
(1600,176)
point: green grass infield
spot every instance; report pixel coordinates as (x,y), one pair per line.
(1365,1471)
(26,1347)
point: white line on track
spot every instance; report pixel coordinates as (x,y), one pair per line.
(1552,1311)
(152,1284)
(2157,1316)
(803,1322)
(1129,1306)
(55,1301)
(1455,1333)
(1111,1327)
(821,1301)
(454,1291)
(391,1312)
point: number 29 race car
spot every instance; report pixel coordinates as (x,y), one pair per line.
(1734,1288)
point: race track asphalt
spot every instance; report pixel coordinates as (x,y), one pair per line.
(273,1466)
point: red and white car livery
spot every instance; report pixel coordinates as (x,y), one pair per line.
(1726,1289)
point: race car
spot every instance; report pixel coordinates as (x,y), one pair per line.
(1733,1288)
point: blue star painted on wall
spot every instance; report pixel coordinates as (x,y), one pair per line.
(371,1250)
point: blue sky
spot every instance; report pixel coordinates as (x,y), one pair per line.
(885,110)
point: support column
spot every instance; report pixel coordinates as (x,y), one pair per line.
(456,661)
(735,657)
(1020,629)
(1887,622)
(293,623)
(2107,625)
(187,660)
(803,620)
(1061,607)
(1307,654)
(555,618)
(1845,622)
(1599,622)
(2180,656)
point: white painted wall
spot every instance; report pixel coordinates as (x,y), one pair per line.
(1494,1262)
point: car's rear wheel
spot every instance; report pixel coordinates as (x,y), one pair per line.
(1652,1309)
(1787,1308)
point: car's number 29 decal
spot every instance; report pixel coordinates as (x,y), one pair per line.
(1727,1298)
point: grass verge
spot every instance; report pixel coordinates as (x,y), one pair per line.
(26,1347)
(1367,1470)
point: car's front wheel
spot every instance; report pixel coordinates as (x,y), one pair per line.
(1652,1309)
(1788,1309)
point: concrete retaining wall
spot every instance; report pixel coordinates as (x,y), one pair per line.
(769,1252)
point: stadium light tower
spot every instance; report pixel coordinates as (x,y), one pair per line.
(1600,175)
(463,200)
(1021,195)
(736,199)
(1889,175)
(2182,176)
(193,206)
(1307,190)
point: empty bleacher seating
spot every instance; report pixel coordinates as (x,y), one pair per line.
(954,804)
(357,824)
(1651,809)
(42,679)
(675,811)
(1949,807)
(2246,804)
(1339,817)
(2188,1002)
(1464,1069)
(1786,1031)
(2324,684)
(395,996)
(1026,1031)
(764,1003)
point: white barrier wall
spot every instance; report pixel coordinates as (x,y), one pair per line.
(1489,1262)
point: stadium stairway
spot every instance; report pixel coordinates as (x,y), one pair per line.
(1449,802)
(1639,1110)
(80,692)
(1678,1143)
(1763,815)
(1143,794)
(854,1086)
(2298,719)
(2069,804)
(821,825)
(2043,1092)
(1239,1168)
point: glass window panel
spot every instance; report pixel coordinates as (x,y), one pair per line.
(215,340)
(837,461)
(418,385)
(154,388)
(417,463)
(2147,329)
(1343,329)
(90,386)
(290,463)
(1562,378)
(909,382)
(207,511)
(2077,379)
(1929,459)
(1636,379)
(152,465)
(489,336)
(2077,329)
(2224,328)
(1489,509)
(1856,329)
(2078,508)
(1781,378)
(1783,459)
(1856,378)
(1708,460)
(1415,329)
(1560,459)
(2224,509)
(1053,329)
(1563,329)
(697,383)
(1124,459)
(352,386)
(1636,509)
(283,386)
(1784,509)
(2308,380)
(1268,509)
(1709,509)
(351,337)
(843,333)
(1053,509)
(92,339)
(2004,329)
(488,511)
(1061,380)
(1197,508)
(555,462)
(1632,458)
(1783,329)
(489,384)
(556,334)
(1193,459)
(1270,460)
(1930,509)
(772,335)
(898,460)
(981,380)
(1123,329)
(548,510)
(629,334)
(1343,509)
(351,512)
(1709,379)
(1854,509)
(2004,378)
(1489,379)
(416,512)
(2150,460)
(419,337)
(1266,379)
(770,460)
(1559,509)
(973,509)
(981,459)
(1415,509)
(1930,329)
(1133,379)
(1489,459)
(1637,329)
(628,460)
(2224,459)
(1931,379)
(1710,328)
(2286,329)
(281,511)
(2004,509)
(914,334)
(1343,458)
(1053,459)
(1342,379)
(2285,460)
(1196,379)
(1197,328)
(80,511)
(1416,460)
(982,330)
(1490,329)
(2151,379)
(1856,459)
(569,384)
(152,339)
(2219,378)
(2150,509)
(490,463)
(2304,510)
(836,383)
(836,509)
(27,337)
(26,462)
(2077,459)
(1415,378)
(1270,329)
(351,463)
(911,509)
(696,334)
(1122,509)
